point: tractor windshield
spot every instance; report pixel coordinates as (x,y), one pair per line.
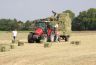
(44,25)
(41,25)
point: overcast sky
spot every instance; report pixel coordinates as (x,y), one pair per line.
(33,9)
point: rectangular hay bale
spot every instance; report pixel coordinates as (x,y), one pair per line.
(20,43)
(12,46)
(4,47)
(47,44)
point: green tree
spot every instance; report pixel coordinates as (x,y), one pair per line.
(20,25)
(86,19)
(27,25)
(8,24)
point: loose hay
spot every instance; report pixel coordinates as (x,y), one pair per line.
(4,47)
(65,23)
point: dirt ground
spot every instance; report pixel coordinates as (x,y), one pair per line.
(59,53)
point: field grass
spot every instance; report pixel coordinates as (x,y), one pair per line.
(60,53)
(7,35)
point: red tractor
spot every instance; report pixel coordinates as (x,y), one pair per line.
(43,29)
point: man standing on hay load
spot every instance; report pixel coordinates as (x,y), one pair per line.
(56,37)
(14,34)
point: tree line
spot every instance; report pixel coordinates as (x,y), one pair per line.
(86,20)
(9,25)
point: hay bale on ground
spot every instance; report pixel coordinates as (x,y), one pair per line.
(20,43)
(72,42)
(13,41)
(12,46)
(75,42)
(4,47)
(46,44)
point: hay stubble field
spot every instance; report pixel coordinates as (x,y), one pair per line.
(60,53)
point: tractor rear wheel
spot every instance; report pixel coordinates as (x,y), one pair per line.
(30,37)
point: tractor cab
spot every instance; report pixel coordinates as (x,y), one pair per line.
(43,25)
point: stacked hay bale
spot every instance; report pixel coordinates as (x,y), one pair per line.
(65,23)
